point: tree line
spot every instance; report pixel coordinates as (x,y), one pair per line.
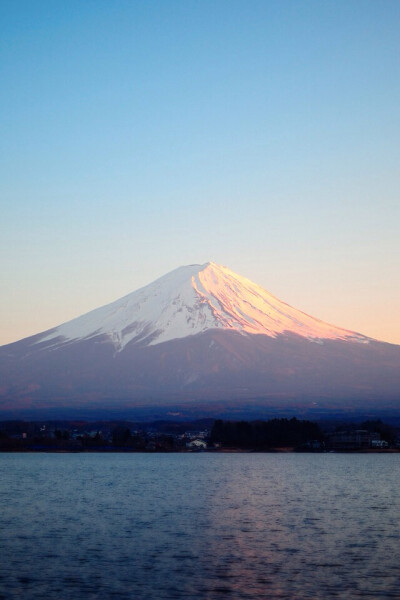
(274,433)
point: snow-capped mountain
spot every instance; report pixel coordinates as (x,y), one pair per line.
(191,300)
(199,336)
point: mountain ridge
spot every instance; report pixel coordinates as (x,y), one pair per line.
(203,335)
(190,300)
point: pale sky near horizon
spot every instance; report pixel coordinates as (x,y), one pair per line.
(136,137)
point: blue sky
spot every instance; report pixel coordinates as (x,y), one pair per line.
(139,136)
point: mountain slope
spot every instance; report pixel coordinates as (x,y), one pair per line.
(191,300)
(200,334)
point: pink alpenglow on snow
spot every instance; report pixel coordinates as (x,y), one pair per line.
(191,300)
(200,334)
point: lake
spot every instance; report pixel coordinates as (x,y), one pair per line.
(166,526)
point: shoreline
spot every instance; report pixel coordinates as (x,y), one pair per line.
(208,451)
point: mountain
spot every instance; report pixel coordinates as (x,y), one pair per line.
(200,336)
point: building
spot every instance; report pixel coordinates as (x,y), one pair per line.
(354,440)
(196,445)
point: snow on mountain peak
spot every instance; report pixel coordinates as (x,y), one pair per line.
(191,300)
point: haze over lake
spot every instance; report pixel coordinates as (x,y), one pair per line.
(199,526)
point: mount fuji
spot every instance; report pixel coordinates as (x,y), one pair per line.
(201,337)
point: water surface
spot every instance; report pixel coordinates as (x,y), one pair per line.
(166,526)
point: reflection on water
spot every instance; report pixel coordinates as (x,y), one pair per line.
(209,526)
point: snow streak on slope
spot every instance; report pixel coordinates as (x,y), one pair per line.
(192,300)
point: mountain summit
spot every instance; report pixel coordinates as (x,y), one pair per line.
(192,300)
(201,337)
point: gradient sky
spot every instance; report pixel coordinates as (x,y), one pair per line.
(140,136)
